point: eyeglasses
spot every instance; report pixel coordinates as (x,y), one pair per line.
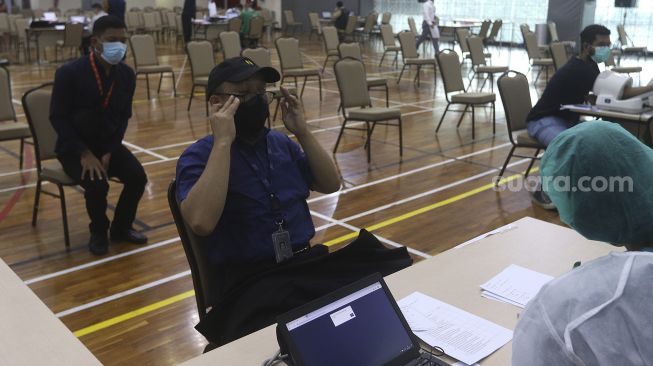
(267,95)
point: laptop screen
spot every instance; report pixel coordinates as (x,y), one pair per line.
(326,14)
(363,327)
(78,19)
(50,15)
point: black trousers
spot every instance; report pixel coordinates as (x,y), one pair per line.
(426,34)
(124,166)
(187,26)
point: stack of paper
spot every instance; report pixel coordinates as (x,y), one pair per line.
(463,336)
(515,285)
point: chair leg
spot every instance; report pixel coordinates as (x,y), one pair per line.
(22,153)
(528,170)
(387,96)
(158,89)
(442,118)
(462,115)
(494,118)
(206,102)
(303,86)
(401,138)
(319,82)
(64,216)
(147,84)
(471,79)
(368,143)
(505,165)
(401,73)
(419,68)
(37,196)
(190,99)
(342,130)
(174,86)
(473,123)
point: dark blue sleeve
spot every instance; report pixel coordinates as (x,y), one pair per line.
(299,157)
(61,111)
(190,167)
(115,141)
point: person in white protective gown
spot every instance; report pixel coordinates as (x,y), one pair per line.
(600,313)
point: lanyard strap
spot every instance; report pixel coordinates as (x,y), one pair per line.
(107,97)
(275,203)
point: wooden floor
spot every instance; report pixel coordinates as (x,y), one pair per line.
(135,305)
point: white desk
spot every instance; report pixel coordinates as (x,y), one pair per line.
(641,122)
(454,277)
(30,334)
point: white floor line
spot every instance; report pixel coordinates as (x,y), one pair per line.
(146,151)
(122,294)
(100,261)
(18,172)
(16,101)
(181,72)
(381,239)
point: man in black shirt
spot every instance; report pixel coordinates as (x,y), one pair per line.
(340,16)
(90,108)
(571,84)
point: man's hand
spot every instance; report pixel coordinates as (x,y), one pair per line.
(292,112)
(222,120)
(92,166)
(106,159)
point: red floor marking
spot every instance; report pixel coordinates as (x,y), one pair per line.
(23,178)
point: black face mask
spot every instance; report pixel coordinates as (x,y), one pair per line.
(250,117)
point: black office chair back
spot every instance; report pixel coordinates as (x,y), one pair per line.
(196,249)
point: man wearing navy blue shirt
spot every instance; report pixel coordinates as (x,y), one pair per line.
(90,108)
(245,182)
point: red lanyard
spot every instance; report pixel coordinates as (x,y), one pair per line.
(107,97)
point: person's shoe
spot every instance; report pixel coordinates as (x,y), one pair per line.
(129,236)
(542,199)
(98,244)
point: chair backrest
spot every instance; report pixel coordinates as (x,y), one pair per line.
(21,29)
(133,20)
(351,50)
(4,23)
(256,27)
(205,281)
(553,32)
(144,50)
(462,34)
(289,55)
(496,28)
(314,19)
(449,65)
(559,54)
(623,36)
(261,56)
(412,26)
(475,45)
(230,44)
(516,98)
(408,45)
(533,50)
(385,18)
(370,20)
(330,36)
(234,24)
(6,103)
(351,24)
(73,33)
(352,83)
(388,35)
(201,58)
(485,27)
(149,20)
(36,104)
(289,15)
(172,19)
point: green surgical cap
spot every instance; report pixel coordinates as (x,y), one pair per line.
(600,178)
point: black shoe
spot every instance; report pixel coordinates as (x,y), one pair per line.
(129,236)
(542,199)
(98,244)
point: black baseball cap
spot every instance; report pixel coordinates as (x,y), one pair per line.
(238,69)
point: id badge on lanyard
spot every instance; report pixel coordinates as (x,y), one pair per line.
(281,237)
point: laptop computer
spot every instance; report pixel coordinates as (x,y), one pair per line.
(50,16)
(80,19)
(360,324)
(326,15)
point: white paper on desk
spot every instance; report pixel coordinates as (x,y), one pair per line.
(463,336)
(587,107)
(516,284)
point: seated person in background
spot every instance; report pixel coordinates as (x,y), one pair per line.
(234,12)
(599,313)
(251,10)
(90,109)
(98,12)
(244,186)
(571,84)
(340,15)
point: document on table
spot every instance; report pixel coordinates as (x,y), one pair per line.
(587,107)
(463,336)
(515,285)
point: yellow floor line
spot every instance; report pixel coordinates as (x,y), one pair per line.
(132,314)
(171,300)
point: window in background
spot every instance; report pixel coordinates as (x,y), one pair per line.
(639,21)
(515,11)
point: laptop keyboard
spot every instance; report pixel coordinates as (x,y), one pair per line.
(424,360)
